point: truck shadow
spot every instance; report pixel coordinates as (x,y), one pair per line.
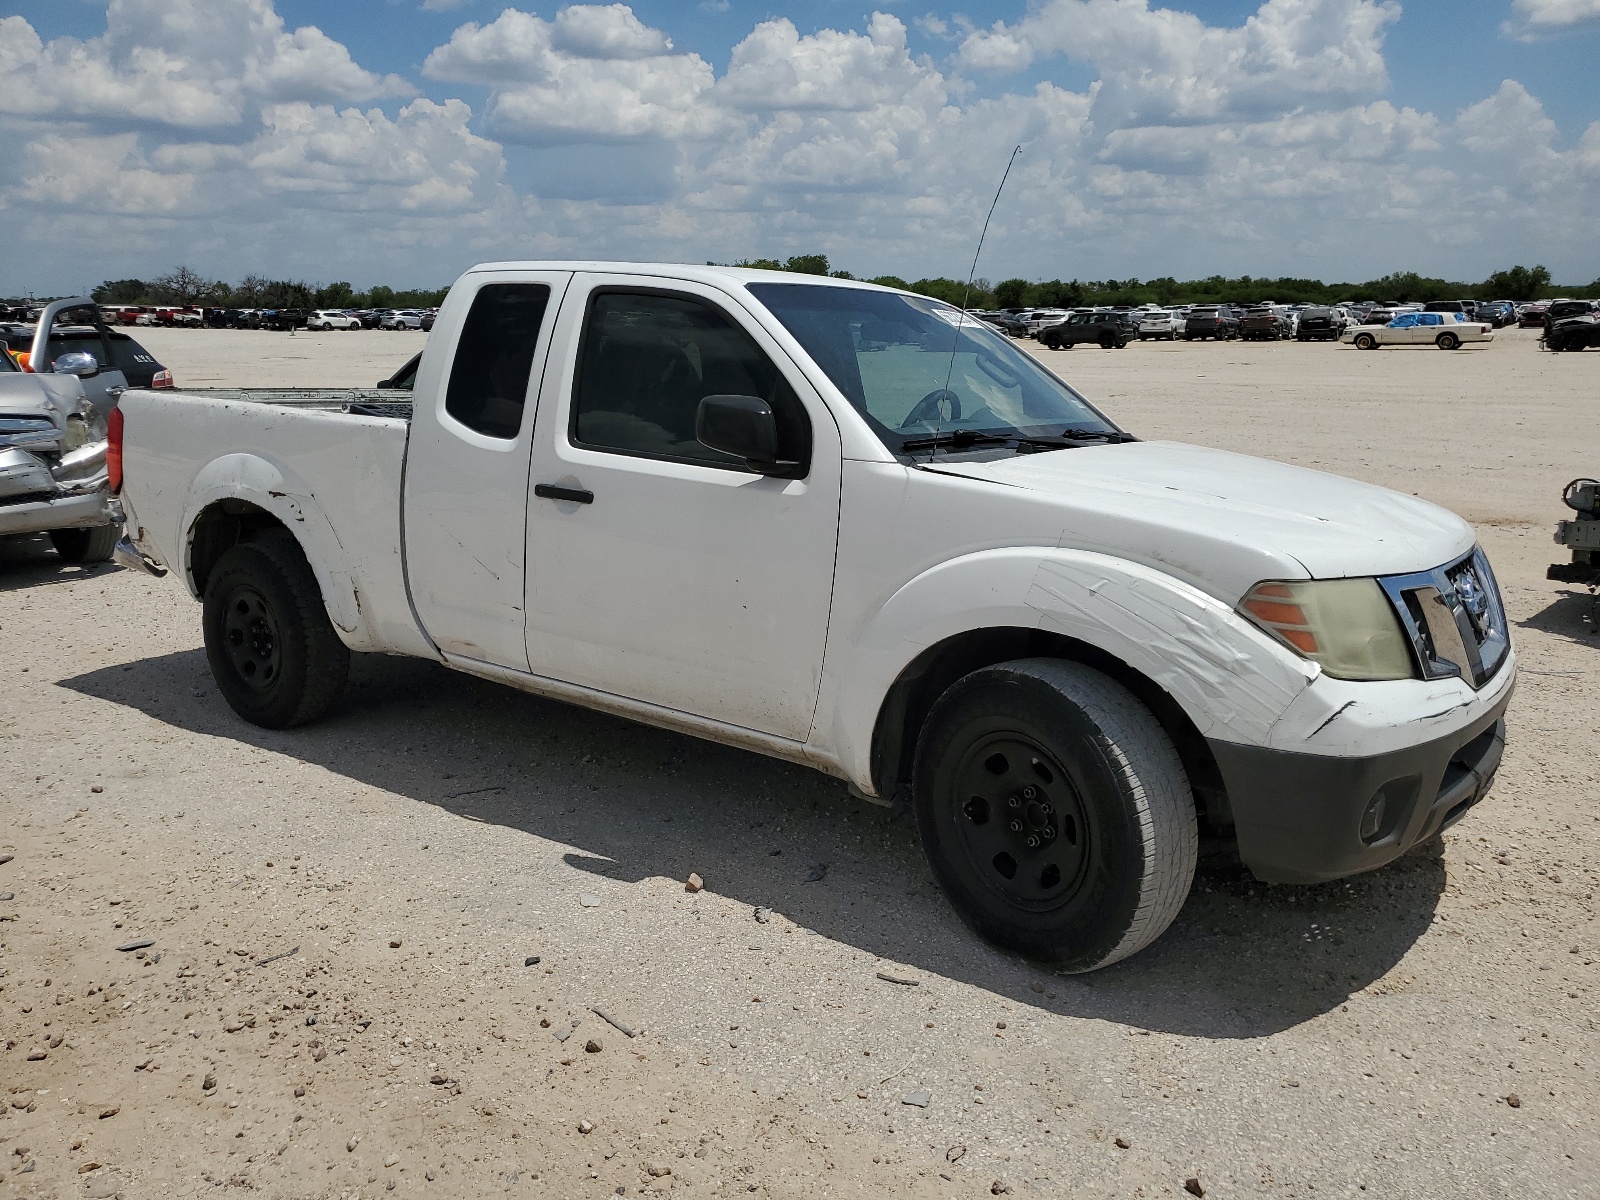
(1242,960)
(29,561)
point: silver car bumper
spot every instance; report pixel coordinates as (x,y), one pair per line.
(66,512)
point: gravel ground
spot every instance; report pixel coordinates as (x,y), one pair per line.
(1425,1030)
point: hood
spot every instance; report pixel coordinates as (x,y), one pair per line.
(1225,521)
(23,393)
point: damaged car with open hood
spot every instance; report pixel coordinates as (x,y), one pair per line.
(854,528)
(53,425)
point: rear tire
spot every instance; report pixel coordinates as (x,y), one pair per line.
(273,651)
(1447,341)
(91,545)
(1055,812)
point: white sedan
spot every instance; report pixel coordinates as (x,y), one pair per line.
(326,319)
(1444,330)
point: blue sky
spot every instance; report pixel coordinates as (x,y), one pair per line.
(378,140)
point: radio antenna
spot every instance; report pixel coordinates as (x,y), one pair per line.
(966,294)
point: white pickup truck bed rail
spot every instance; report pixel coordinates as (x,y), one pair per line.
(367,402)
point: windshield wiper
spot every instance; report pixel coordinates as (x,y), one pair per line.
(1074,437)
(961,439)
(956,439)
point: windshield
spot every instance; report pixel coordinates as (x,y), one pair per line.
(891,356)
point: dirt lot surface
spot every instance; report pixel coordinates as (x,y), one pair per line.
(330,995)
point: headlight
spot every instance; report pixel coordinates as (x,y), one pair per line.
(1346,625)
(77,434)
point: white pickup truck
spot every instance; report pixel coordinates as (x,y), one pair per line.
(849,527)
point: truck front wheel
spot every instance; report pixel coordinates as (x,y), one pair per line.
(272,649)
(1055,812)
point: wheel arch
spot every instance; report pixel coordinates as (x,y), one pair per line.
(1197,664)
(905,708)
(239,497)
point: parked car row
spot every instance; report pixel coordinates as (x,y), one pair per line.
(111,349)
(280,319)
(1572,329)
(1114,327)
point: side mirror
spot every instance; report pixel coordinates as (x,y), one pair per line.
(77,362)
(743,426)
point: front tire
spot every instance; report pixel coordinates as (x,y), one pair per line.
(273,651)
(91,545)
(1055,812)
(1365,341)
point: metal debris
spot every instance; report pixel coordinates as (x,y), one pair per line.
(612,1021)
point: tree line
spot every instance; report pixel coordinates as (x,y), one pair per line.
(188,289)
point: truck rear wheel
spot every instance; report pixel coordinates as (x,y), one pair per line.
(1055,812)
(91,545)
(273,651)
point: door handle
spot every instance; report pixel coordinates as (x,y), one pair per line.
(114,392)
(549,491)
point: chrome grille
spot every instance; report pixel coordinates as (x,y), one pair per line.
(1453,618)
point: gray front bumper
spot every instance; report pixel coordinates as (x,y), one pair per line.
(64,512)
(1298,816)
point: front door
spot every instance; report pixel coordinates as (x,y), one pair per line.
(658,569)
(466,482)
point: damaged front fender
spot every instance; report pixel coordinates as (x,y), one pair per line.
(52,456)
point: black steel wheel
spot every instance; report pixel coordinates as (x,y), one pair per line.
(251,637)
(1055,812)
(272,650)
(1022,827)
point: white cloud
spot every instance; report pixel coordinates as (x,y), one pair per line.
(1544,16)
(594,74)
(99,175)
(193,128)
(774,68)
(425,160)
(1163,64)
(608,31)
(1589,150)
(185,63)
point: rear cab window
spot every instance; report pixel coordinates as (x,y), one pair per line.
(488,387)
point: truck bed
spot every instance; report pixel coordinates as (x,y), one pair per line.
(327,462)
